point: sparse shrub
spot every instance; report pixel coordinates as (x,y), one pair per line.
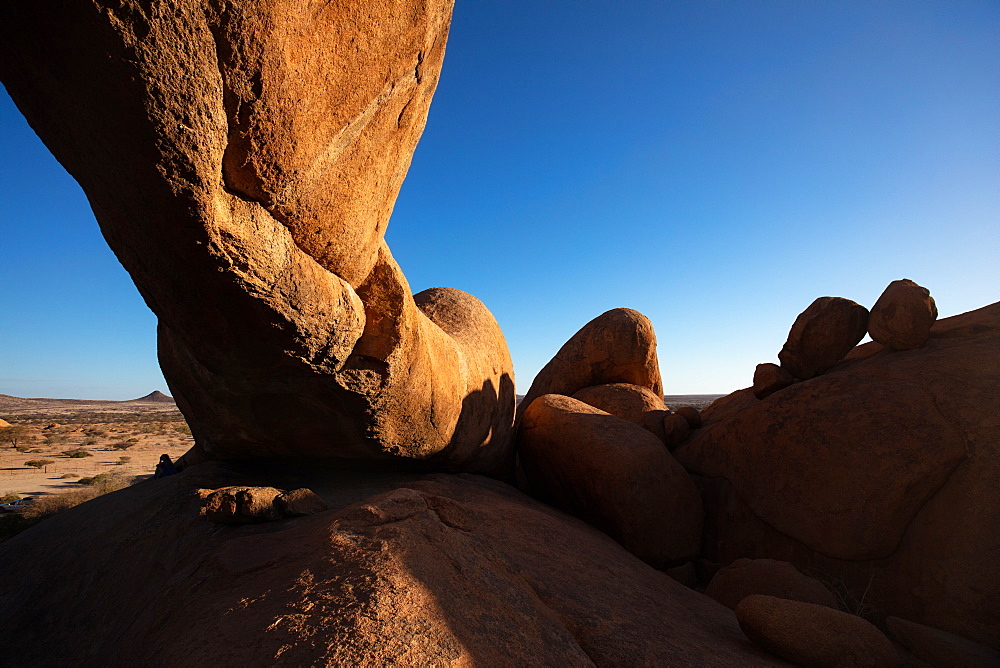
(7,498)
(39,463)
(67,476)
(54,439)
(850,599)
(90,441)
(123,445)
(32,450)
(124,460)
(12,524)
(132,440)
(183,429)
(45,506)
(15,435)
(76,453)
(108,482)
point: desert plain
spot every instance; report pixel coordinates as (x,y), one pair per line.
(121,437)
(126,438)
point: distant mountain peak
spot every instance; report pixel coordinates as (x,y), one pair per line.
(156,395)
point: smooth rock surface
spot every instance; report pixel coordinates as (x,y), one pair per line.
(634,403)
(433,570)
(902,317)
(250,153)
(745,577)
(814,635)
(629,402)
(841,463)
(821,336)
(614,475)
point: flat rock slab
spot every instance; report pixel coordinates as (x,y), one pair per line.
(434,570)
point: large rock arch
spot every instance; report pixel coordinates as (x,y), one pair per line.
(243,158)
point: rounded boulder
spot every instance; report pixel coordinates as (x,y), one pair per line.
(813,635)
(822,334)
(902,317)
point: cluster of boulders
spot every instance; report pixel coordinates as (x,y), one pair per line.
(831,327)
(593,440)
(796,617)
(880,472)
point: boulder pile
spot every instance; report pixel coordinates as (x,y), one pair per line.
(878,474)
(593,439)
(831,327)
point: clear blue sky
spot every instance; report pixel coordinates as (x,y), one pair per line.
(715,165)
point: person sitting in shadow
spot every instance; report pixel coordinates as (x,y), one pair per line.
(165,467)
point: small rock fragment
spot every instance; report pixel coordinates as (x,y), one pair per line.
(769,378)
(902,317)
(300,501)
